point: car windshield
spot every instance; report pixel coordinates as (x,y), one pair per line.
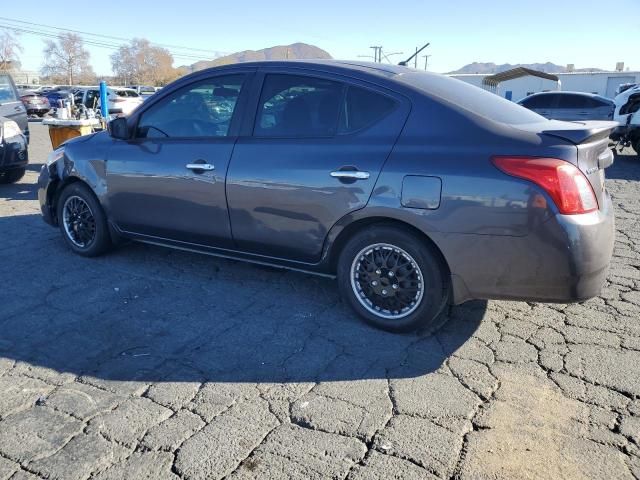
(7,93)
(474,99)
(126,93)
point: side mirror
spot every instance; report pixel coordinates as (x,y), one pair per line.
(118,128)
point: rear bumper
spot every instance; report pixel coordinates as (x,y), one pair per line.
(564,259)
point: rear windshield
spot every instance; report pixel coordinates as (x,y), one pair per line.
(474,99)
(7,93)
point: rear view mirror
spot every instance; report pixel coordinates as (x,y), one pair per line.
(119,129)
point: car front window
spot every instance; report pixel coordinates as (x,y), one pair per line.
(203,109)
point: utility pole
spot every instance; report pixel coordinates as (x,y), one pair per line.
(426,60)
(377,57)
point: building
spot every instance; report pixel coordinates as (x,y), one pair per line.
(519,86)
(25,77)
(20,76)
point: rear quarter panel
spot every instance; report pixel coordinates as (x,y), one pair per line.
(476,197)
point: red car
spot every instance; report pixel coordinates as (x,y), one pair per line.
(35,103)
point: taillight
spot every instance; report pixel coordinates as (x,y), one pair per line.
(565,183)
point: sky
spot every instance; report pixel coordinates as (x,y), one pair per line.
(585,33)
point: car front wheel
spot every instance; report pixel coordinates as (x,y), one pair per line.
(393,279)
(12,176)
(82,221)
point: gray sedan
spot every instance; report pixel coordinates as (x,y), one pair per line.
(414,190)
(570,106)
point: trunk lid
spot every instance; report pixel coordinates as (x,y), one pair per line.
(591,139)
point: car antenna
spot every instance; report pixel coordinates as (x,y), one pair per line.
(404,64)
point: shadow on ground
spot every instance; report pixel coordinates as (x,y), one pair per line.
(625,167)
(150,314)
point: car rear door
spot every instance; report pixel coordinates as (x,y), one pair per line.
(319,142)
(168,182)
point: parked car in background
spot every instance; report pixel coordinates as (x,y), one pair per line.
(11,107)
(143,90)
(121,100)
(624,87)
(413,189)
(570,106)
(14,155)
(56,96)
(627,115)
(35,103)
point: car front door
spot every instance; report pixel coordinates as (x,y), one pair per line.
(168,181)
(317,148)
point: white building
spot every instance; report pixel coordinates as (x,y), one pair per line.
(602,83)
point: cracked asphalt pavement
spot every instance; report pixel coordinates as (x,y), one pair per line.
(160,364)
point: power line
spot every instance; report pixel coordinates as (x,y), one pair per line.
(214,53)
(94,43)
(110,37)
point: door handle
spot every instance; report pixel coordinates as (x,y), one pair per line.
(200,166)
(350,174)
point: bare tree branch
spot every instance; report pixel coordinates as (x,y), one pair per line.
(140,63)
(67,61)
(9,50)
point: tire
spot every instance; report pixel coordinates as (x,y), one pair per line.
(83,211)
(636,145)
(12,176)
(414,302)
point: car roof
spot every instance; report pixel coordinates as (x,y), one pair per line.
(568,92)
(328,65)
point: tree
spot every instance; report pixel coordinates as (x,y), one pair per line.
(9,49)
(66,60)
(140,63)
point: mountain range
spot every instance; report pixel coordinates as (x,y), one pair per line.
(279,52)
(490,67)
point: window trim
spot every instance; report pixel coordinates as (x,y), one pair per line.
(236,118)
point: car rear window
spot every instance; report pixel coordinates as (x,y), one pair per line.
(7,92)
(539,101)
(476,100)
(362,108)
(572,101)
(298,106)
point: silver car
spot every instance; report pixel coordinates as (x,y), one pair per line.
(570,106)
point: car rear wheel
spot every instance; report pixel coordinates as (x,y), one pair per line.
(393,279)
(12,176)
(82,221)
